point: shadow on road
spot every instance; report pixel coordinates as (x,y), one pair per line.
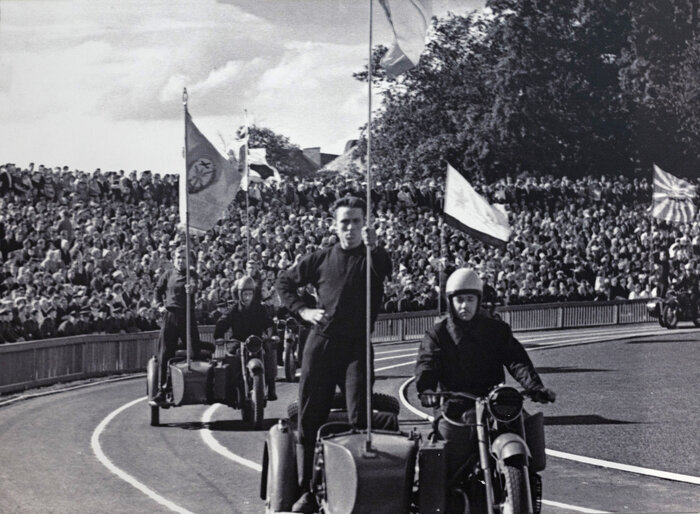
(568,369)
(584,419)
(234,425)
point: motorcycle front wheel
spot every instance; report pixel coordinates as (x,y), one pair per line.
(258,401)
(290,363)
(516,500)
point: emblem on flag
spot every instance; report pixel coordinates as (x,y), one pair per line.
(673,198)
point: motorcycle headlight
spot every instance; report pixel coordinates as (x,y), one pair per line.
(505,403)
(253,344)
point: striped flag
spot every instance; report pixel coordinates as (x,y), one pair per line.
(673,197)
(409,20)
(467,210)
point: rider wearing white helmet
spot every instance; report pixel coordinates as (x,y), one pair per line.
(466,351)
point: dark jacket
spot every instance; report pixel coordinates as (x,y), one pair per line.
(339,277)
(470,357)
(243,322)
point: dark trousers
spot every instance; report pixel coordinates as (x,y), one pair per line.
(174,329)
(325,364)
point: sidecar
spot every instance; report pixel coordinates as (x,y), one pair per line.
(347,477)
(235,379)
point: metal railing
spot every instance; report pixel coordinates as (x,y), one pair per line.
(45,362)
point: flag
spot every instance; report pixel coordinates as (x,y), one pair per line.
(467,210)
(257,161)
(409,20)
(673,197)
(211,181)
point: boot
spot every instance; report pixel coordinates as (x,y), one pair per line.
(271,391)
(307,504)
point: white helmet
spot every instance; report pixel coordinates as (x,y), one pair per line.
(464,280)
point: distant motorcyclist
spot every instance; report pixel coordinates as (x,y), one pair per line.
(466,352)
(248,317)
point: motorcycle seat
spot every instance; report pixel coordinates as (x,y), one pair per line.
(201,355)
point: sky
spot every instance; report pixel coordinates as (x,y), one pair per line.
(98,83)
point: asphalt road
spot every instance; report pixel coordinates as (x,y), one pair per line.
(629,400)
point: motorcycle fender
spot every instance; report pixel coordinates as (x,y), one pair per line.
(255,367)
(509,445)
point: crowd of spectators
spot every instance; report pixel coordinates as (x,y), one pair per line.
(81,252)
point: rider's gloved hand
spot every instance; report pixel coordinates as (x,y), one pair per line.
(428,398)
(543,395)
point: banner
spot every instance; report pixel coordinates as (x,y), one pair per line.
(211,182)
(673,197)
(467,210)
(409,20)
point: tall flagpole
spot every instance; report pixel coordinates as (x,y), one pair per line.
(187,240)
(247,188)
(368,326)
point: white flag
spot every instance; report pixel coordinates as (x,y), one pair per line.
(467,210)
(409,20)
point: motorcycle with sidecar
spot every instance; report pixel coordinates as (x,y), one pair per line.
(674,307)
(236,378)
(397,472)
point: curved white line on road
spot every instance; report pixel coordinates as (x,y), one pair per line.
(676,477)
(575,508)
(97,449)
(215,445)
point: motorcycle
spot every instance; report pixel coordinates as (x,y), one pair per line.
(503,476)
(355,475)
(234,377)
(291,346)
(675,307)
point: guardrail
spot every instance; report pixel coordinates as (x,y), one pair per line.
(45,362)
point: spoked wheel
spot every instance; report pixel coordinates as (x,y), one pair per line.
(290,363)
(258,401)
(670,316)
(516,500)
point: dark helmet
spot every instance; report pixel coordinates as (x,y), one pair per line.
(245,283)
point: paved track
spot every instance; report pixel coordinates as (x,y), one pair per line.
(629,400)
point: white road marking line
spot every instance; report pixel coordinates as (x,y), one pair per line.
(676,477)
(395,351)
(395,366)
(575,508)
(396,357)
(215,445)
(97,449)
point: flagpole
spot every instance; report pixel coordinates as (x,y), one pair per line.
(368,325)
(247,188)
(187,241)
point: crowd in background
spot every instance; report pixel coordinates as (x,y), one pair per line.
(81,252)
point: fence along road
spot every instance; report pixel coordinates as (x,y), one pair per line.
(39,363)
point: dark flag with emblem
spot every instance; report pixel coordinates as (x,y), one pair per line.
(467,210)
(212,180)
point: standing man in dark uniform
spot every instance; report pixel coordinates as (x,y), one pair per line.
(171,294)
(247,318)
(335,352)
